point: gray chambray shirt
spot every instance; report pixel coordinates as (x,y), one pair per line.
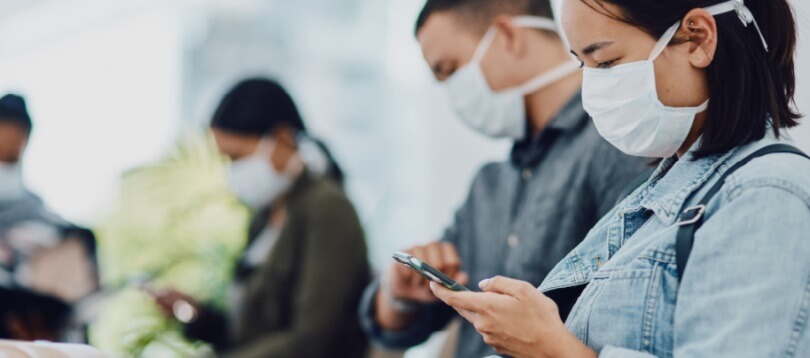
(522,216)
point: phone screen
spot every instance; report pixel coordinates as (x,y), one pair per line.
(427,271)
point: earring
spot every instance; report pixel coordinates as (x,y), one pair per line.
(692,26)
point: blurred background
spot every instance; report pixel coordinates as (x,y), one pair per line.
(120,92)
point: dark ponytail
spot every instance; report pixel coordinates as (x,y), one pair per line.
(748,86)
(333,170)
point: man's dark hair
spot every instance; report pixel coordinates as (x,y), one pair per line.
(478,14)
(748,86)
(14,110)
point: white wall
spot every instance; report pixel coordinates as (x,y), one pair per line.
(102,83)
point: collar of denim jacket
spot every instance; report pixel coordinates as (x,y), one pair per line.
(667,194)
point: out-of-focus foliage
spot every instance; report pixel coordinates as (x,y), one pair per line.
(177,219)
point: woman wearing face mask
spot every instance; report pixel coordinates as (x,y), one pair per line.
(709,257)
(298,282)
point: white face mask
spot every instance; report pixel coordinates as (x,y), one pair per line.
(623,100)
(255,181)
(499,114)
(11,184)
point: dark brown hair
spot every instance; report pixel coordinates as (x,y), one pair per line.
(749,87)
(478,14)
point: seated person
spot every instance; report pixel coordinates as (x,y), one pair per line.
(297,286)
(508,74)
(39,251)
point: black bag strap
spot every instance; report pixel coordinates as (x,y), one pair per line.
(692,217)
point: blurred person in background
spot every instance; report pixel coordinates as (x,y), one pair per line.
(46,263)
(508,74)
(297,286)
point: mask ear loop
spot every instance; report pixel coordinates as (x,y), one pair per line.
(533,22)
(555,74)
(743,13)
(664,41)
(659,48)
(483,46)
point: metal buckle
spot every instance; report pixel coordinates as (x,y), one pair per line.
(699,211)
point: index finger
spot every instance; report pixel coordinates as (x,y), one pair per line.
(450,257)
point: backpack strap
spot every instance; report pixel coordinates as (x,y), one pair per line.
(691,218)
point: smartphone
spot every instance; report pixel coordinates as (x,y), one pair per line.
(427,271)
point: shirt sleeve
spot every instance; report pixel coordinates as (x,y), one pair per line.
(431,318)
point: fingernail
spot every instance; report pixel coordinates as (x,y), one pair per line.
(483,284)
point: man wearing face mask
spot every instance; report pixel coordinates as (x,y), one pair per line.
(298,283)
(507,74)
(40,253)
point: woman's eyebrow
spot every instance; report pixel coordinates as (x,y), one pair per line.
(594,47)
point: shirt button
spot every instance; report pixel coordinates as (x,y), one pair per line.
(527,174)
(512,241)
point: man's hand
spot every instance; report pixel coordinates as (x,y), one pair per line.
(403,283)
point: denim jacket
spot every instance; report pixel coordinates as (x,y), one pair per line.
(746,289)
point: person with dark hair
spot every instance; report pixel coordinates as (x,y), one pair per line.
(41,254)
(301,276)
(507,74)
(708,257)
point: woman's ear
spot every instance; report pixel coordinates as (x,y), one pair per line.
(513,39)
(285,136)
(699,29)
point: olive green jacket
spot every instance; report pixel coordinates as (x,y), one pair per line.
(302,301)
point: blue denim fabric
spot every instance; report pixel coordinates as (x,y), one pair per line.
(746,289)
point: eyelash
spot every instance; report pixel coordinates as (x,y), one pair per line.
(606,64)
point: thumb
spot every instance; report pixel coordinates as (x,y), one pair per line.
(506,286)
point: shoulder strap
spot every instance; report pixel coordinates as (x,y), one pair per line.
(692,217)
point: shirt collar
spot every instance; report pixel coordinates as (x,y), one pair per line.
(571,117)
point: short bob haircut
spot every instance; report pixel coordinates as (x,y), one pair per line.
(750,88)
